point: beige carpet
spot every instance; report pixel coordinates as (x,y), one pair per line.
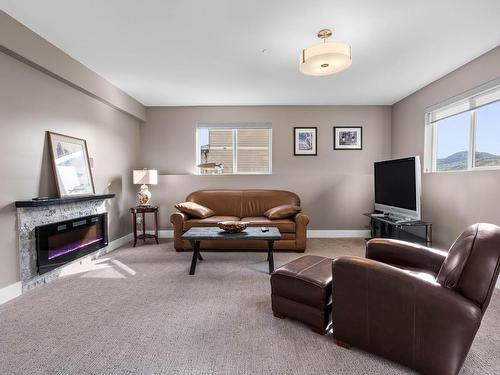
(139,312)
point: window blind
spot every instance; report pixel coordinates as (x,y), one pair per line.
(464,104)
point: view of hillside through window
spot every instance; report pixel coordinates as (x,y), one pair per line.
(488,136)
(453,139)
(453,143)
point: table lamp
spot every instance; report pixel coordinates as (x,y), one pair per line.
(144,177)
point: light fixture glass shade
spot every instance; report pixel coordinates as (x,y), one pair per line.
(325,58)
(145,177)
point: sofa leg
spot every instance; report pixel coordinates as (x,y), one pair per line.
(342,344)
(278,315)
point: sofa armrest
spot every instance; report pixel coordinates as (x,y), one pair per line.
(301,221)
(177,219)
(405,254)
(301,218)
(398,315)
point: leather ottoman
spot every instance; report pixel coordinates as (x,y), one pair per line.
(302,290)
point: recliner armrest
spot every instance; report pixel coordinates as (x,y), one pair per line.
(405,254)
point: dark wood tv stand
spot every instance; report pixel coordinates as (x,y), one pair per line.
(419,232)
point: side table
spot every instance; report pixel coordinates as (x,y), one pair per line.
(143,210)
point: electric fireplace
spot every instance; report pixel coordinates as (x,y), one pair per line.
(65,241)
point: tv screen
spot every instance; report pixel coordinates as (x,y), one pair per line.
(395,183)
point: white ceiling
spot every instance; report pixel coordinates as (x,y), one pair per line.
(208,52)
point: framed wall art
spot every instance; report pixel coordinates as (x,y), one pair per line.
(305,141)
(348,138)
(70,161)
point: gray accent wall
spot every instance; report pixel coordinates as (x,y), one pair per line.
(451,200)
(336,187)
(31,103)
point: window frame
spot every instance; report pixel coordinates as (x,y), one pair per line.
(460,102)
(234,128)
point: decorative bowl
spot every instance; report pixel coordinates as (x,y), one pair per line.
(232,226)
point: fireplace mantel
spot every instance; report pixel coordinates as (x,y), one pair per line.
(53,201)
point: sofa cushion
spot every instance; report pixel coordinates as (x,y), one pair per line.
(222,202)
(207,222)
(194,209)
(282,212)
(284,225)
(256,202)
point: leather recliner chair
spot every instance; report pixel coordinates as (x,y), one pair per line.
(415,305)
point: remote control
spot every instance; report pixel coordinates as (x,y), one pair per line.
(264,229)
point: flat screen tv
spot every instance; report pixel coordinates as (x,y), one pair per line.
(398,187)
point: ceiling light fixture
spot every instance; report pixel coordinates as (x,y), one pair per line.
(325,58)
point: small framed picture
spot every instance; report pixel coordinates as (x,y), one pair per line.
(305,141)
(348,138)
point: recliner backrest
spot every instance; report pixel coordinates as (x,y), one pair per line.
(473,262)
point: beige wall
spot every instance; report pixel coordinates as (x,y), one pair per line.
(451,201)
(15,38)
(335,187)
(32,103)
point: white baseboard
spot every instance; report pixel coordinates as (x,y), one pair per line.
(310,233)
(10,292)
(115,244)
(313,233)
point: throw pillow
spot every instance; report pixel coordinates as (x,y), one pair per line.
(194,209)
(282,212)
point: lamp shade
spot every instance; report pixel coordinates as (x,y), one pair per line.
(145,177)
(325,58)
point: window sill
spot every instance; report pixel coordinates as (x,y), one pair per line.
(479,169)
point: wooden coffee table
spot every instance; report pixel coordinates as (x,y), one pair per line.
(195,235)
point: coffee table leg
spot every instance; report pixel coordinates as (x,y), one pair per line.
(196,253)
(270,257)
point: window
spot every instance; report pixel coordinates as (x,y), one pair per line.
(464,134)
(452,143)
(234,149)
(488,136)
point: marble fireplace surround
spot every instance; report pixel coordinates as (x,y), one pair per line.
(41,213)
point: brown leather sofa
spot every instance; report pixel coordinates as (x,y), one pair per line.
(246,205)
(414,305)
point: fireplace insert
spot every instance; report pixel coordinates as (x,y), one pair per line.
(65,241)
